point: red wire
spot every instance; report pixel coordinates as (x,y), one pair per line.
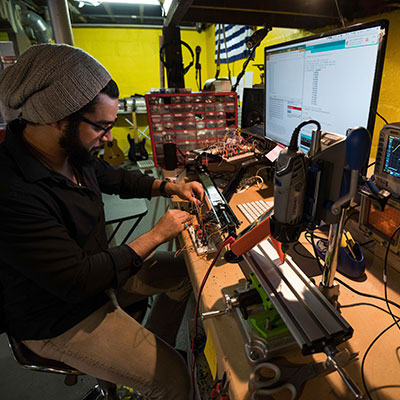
(229,240)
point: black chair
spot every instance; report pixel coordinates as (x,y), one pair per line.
(28,359)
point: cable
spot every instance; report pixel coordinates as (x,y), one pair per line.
(293,145)
(196,310)
(315,251)
(345,284)
(366,304)
(385,273)
(340,14)
(298,253)
(380,116)
(350,215)
(373,342)
(365,356)
(167,66)
(371,296)
(366,243)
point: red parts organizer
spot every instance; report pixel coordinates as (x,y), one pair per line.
(191,120)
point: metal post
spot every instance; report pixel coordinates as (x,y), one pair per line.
(327,286)
(173,57)
(60,21)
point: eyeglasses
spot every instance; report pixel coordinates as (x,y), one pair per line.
(103,129)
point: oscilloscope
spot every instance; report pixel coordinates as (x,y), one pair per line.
(387,166)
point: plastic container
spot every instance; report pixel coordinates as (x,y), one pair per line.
(197,118)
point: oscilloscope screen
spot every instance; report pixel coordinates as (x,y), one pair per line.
(392,157)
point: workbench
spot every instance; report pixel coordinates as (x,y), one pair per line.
(382,366)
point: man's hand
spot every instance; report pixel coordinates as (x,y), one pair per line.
(171,224)
(192,191)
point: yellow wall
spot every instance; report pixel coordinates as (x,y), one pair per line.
(131,56)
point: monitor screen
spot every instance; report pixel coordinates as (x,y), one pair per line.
(391,164)
(333,78)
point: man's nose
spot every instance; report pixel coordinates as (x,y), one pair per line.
(108,137)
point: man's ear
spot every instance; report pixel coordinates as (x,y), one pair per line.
(59,125)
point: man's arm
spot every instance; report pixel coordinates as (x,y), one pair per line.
(169,226)
(191,191)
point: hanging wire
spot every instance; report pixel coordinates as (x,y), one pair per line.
(340,14)
(226,53)
(384,119)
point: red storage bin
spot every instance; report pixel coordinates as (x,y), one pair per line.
(187,119)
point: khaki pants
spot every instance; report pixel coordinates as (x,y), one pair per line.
(112,346)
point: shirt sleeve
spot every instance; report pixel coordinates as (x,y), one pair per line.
(126,263)
(127,184)
(35,242)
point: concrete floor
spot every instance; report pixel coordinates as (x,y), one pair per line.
(17,383)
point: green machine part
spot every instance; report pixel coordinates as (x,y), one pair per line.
(269,323)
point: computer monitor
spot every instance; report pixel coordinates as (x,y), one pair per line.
(333,77)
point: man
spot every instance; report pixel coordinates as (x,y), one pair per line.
(55,265)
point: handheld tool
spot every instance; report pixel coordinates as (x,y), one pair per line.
(269,378)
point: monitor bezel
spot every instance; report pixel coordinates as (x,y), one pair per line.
(383,24)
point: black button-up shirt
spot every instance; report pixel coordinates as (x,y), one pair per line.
(54,260)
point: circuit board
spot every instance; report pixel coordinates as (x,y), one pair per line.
(202,246)
(205,232)
(214,217)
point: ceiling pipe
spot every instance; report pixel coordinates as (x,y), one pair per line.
(39,27)
(60,21)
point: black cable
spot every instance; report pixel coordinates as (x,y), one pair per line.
(366,243)
(365,304)
(229,240)
(380,116)
(293,145)
(370,165)
(315,237)
(315,251)
(371,296)
(372,343)
(365,356)
(298,253)
(308,234)
(385,273)
(349,216)
(167,66)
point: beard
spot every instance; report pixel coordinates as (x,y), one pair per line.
(78,155)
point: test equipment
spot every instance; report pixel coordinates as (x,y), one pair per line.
(381,217)
(387,164)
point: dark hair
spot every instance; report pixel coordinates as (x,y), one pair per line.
(111,90)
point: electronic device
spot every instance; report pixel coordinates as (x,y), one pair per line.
(309,190)
(252,107)
(387,162)
(381,219)
(214,217)
(232,149)
(254,209)
(381,224)
(333,77)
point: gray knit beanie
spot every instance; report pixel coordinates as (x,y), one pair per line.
(51,81)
